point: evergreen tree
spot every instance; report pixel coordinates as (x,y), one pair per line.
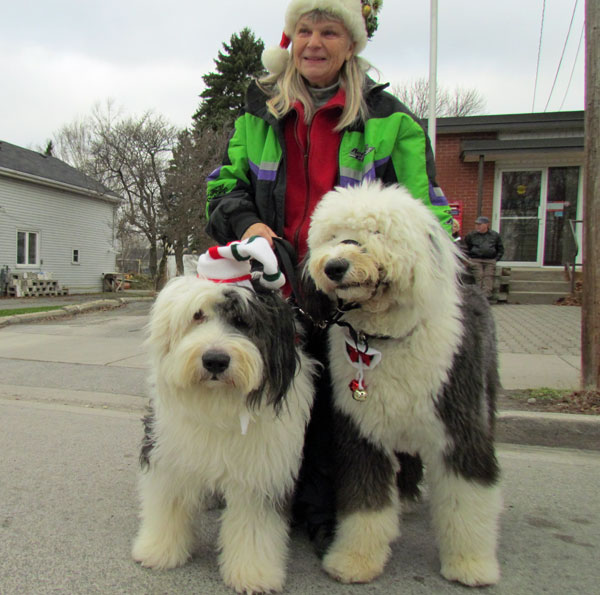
(49,151)
(223,97)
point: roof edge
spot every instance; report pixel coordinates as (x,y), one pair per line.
(90,192)
(503,122)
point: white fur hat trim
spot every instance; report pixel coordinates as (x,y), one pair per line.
(275,58)
(348,11)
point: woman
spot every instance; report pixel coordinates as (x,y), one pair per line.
(315,122)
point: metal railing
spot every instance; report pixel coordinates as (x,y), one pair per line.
(571,251)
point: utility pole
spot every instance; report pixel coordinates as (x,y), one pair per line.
(433,37)
(590,314)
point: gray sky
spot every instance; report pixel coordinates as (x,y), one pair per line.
(58,58)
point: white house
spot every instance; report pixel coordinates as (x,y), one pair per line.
(54,220)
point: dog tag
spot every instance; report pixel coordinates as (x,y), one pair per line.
(359,391)
(360,394)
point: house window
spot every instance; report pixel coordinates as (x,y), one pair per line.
(75,256)
(27,248)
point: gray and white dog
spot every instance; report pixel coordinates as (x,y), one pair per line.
(232,392)
(414,370)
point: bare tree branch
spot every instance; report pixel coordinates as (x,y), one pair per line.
(460,102)
(129,155)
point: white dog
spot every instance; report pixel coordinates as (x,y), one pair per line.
(413,364)
(232,397)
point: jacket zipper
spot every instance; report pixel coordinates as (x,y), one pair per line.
(307,185)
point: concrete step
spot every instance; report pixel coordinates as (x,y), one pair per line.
(540,286)
(537,286)
(534,297)
(520,274)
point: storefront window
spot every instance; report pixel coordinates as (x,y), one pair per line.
(563,188)
(519,218)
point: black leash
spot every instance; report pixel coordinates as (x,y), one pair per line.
(286,255)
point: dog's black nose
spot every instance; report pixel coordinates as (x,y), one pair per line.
(336,269)
(215,362)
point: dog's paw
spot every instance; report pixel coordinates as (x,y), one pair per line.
(159,553)
(251,581)
(471,571)
(354,567)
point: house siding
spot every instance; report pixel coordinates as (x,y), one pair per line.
(66,221)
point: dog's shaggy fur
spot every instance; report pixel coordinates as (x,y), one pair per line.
(432,394)
(232,397)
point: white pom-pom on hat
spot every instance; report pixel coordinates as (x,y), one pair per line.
(275,59)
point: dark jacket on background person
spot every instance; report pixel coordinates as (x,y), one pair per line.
(486,245)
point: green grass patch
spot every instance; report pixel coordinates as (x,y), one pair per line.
(12,311)
(547,394)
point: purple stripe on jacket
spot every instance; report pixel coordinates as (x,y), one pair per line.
(214,175)
(263,174)
(436,196)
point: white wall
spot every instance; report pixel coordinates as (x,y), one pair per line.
(65,221)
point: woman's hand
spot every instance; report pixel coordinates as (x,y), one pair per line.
(260,229)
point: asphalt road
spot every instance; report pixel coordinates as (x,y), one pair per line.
(71,396)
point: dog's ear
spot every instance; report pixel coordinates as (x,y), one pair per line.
(275,337)
(159,328)
(167,317)
(316,304)
(284,357)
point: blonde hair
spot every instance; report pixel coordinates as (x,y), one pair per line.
(288,87)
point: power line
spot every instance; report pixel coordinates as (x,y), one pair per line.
(574,64)
(562,55)
(537,69)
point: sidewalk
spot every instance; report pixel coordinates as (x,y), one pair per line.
(10,303)
(69,304)
(538,347)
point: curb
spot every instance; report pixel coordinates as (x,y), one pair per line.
(533,428)
(71,309)
(563,430)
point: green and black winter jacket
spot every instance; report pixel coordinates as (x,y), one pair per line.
(250,185)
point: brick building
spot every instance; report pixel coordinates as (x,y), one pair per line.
(524,172)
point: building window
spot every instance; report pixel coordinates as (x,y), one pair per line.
(27,248)
(75,256)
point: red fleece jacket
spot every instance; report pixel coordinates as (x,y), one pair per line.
(312,166)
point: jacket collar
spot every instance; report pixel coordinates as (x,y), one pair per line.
(337,101)
(256,98)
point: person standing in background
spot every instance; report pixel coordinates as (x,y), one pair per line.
(484,249)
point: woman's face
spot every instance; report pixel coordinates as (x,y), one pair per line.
(320,49)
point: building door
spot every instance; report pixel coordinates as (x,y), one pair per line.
(520,204)
(535,209)
(561,206)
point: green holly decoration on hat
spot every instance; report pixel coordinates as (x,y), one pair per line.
(370,8)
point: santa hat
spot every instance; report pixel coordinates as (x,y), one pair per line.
(358,16)
(231,263)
